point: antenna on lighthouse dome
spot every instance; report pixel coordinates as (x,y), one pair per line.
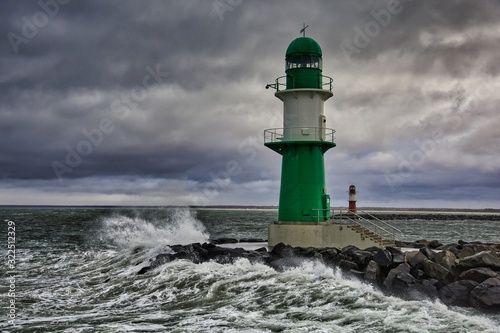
(303,30)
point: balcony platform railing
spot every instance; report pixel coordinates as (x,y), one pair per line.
(299,134)
(281,82)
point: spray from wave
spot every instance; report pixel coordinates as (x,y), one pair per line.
(173,226)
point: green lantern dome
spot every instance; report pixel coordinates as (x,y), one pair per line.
(303,45)
(303,64)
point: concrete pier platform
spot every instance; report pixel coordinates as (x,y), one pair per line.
(319,235)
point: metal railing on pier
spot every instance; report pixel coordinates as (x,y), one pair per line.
(374,224)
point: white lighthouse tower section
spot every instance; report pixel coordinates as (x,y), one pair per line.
(304,118)
(352,196)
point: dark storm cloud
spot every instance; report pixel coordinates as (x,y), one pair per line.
(174,90)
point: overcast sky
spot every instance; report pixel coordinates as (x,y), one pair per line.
(164,102)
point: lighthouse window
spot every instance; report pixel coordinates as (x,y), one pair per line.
(316,62)
(293,62)
(304,61)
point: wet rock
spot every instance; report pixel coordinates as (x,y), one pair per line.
(487,294)
(383,258)
(476,248)
(428,253)
(362,258)
(372,249)
(434,244)
(310,252)
(479,274)
(416,259)
(427,288)
(348,265)
(281,250)
(457,293)
(398,257)
(421,243)
(399,278)
(453,248)
(402,244)
(329,254)
(481,259)
(471,280)
(417,245)
(465,252)
(357,273)
(446,259)
(418,274)
(224,240)
(252,240)
(436,271)
(495,248)
(350,249)
(259,255)
(372,272)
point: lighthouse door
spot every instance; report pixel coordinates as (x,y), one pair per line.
(322,127)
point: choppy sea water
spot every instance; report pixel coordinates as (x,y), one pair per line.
(75,271)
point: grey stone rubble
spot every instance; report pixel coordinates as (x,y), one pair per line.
(460,274)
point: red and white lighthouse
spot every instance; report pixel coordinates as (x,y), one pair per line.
(352,198)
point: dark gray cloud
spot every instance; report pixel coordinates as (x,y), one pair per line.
(163,103)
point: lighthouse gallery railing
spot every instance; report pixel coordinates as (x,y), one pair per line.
(280,83)
(299,134)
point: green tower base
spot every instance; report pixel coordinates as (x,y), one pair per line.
(303,196)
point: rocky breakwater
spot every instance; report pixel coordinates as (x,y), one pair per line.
(461,274)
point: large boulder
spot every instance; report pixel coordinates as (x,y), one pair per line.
(481,259)
(281,250)
(383,258)
(329,254)
(348,265)
(224,240)
(446,259)
(427,288)
(416,259)
(436,271)
(434,244)
(479,274)
(487,294)
(428,253)
(421,243)
(362,258)
(398,257)
(465,252)
(457,293)
(399,278)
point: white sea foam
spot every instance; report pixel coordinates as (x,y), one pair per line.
(177,227)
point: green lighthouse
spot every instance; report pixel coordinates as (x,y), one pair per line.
(305,218)
(304,137)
